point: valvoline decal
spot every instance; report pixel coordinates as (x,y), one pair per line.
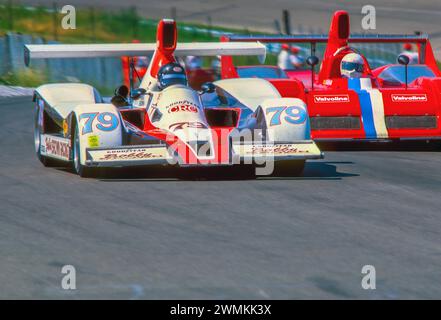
(409,97)
(332,98)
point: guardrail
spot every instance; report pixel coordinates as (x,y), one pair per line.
(102,72)
(106,73)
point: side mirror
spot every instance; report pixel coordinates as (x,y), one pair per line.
(122,91)
(136,93)
(208,87)
(404,61)
(312,61)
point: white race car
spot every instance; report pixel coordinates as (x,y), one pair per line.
(164,121)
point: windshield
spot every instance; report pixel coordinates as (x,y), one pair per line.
(261,72)
(220,98)
(396,74)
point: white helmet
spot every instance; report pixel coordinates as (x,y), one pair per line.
(352,66)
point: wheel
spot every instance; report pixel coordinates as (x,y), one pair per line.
(82,171)
(288,168)
(47,162)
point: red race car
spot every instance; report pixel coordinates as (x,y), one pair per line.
(349,99)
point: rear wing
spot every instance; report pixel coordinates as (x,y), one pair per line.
(44,51)
(421,40)
(320,38)
(338,37)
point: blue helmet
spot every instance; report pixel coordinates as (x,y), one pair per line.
(170,74)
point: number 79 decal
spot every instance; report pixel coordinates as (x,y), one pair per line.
(292,115)
(107,121)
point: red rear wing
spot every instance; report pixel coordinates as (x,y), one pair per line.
(338,37)
(425,51)
(320,38)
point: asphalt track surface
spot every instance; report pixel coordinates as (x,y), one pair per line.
(150,237)
(393,16)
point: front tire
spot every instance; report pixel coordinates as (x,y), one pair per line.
(81,170)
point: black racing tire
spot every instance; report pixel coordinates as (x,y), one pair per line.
(46,161)
(81,170)
(288,168)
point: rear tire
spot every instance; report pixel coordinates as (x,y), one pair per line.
(46,161)
(81,170)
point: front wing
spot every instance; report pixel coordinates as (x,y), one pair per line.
(144,155)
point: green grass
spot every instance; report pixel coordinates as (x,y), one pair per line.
(94,26)
(91,26)
(24,78)
(101,27)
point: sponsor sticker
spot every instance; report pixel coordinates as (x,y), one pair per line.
(276,150)
(56,147)
(409,97)
(65,128)
(129,154)
(185,125)
(93,141)
(182,106)
(331,98)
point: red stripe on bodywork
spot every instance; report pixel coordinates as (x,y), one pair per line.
(220,139)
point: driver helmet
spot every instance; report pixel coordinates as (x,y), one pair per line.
(352,66)
(171,74)
(295,50)
(407,47)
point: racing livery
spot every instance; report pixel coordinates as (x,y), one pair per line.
(390,102)
(164,121)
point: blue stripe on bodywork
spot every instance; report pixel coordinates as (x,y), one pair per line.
(367,115)
(354,84)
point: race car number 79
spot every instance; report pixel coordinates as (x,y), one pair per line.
(107,121)
(292,115)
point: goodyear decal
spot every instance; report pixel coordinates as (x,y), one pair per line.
(276,150)
(130,154)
